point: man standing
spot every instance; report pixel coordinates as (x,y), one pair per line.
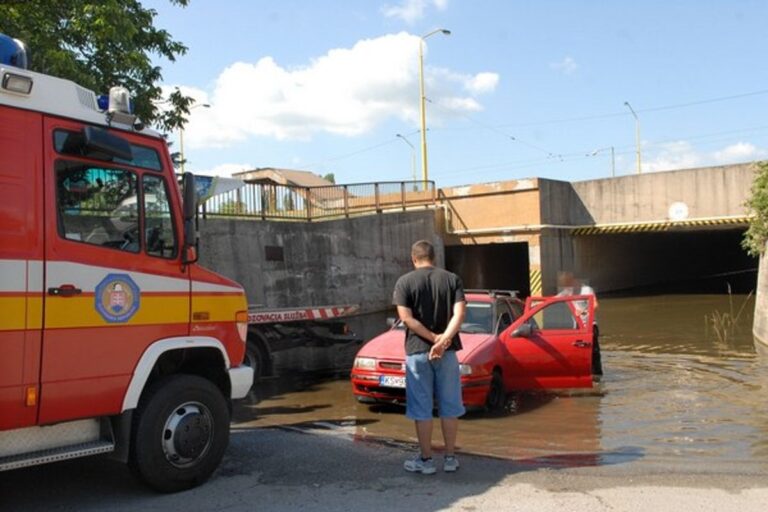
(430,302)
(568,285)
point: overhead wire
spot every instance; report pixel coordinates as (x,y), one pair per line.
(499,130)
(639,111)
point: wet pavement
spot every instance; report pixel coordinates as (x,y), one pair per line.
(678,423)
(678,394)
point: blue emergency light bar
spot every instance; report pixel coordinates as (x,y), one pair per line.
(12,52)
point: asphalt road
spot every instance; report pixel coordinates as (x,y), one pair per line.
(328,470)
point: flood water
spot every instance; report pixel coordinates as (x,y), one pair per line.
(677,393)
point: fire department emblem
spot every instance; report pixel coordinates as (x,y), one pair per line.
(117,298)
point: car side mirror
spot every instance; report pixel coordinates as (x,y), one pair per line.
(524,331)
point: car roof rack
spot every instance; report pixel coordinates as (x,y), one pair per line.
(494,293)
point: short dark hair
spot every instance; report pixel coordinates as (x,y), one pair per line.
(423,250)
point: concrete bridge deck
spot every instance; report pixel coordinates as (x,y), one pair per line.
(619,233)
(591,226)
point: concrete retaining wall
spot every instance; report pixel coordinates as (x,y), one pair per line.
(707,192)
(349,261)
(760,328)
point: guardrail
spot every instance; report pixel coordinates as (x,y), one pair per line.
(284,202)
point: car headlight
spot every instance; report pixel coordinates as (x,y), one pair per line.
(465,369)
(365,363)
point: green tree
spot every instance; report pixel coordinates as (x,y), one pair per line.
(100,44)
(330,177)
(757,234)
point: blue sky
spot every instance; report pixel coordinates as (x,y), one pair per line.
(519,89)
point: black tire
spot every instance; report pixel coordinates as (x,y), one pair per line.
(497,397)
(597,360)
(180,433)
(254,359)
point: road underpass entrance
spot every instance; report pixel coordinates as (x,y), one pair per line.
(675,261)
(497,266)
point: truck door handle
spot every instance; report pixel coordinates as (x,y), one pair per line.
(581,344)
(65,290)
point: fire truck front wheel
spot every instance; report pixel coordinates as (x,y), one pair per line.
(180,433)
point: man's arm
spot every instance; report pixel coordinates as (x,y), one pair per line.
(406,315)
(443,341)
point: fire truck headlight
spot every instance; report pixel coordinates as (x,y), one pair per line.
(241,318)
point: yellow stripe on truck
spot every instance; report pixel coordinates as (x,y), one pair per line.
(34,312)
(13,313)
(217,307)
(74,312)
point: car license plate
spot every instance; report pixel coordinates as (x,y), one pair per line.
(391,381)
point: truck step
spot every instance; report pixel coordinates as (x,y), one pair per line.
(55,454)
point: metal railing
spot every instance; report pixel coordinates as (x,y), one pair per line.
(284,202)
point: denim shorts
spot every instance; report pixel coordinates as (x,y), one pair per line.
(427,382)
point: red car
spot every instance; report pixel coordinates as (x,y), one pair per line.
(542,344)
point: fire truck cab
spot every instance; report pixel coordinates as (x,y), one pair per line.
(112,339)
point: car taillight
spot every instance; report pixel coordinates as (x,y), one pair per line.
(241,318)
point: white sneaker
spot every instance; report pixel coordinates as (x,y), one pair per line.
(419,465)
(450,464)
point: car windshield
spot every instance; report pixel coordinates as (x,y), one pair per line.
(479,318)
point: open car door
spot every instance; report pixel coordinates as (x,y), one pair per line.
(550,345)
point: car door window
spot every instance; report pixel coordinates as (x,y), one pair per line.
(159,230)
(557,316)
(505,320)
(517,309)
(97,206)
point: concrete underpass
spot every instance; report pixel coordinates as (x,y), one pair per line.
(499,266)
(706,261)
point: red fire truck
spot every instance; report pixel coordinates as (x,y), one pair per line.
(112,339)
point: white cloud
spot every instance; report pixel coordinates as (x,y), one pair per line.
(566,66)
(227,169)
(482,83)
(411,11)
(682,155)
(347,91)
(738,152)
(673,155)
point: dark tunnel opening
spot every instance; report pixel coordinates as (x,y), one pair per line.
(679,262)
(494,266)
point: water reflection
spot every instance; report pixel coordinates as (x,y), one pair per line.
(674,393)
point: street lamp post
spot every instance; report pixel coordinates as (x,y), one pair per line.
(413,154)
(423,99)
(613,158)
(637,136)
(181,134)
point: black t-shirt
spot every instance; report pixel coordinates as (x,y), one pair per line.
(430,293)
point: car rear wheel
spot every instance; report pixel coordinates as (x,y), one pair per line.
(497,397)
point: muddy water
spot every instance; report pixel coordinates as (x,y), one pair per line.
(675,393)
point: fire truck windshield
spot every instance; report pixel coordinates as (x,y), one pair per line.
(72,143)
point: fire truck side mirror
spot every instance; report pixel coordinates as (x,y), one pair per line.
(190,217)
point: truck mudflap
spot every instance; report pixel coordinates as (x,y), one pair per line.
(241,379)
